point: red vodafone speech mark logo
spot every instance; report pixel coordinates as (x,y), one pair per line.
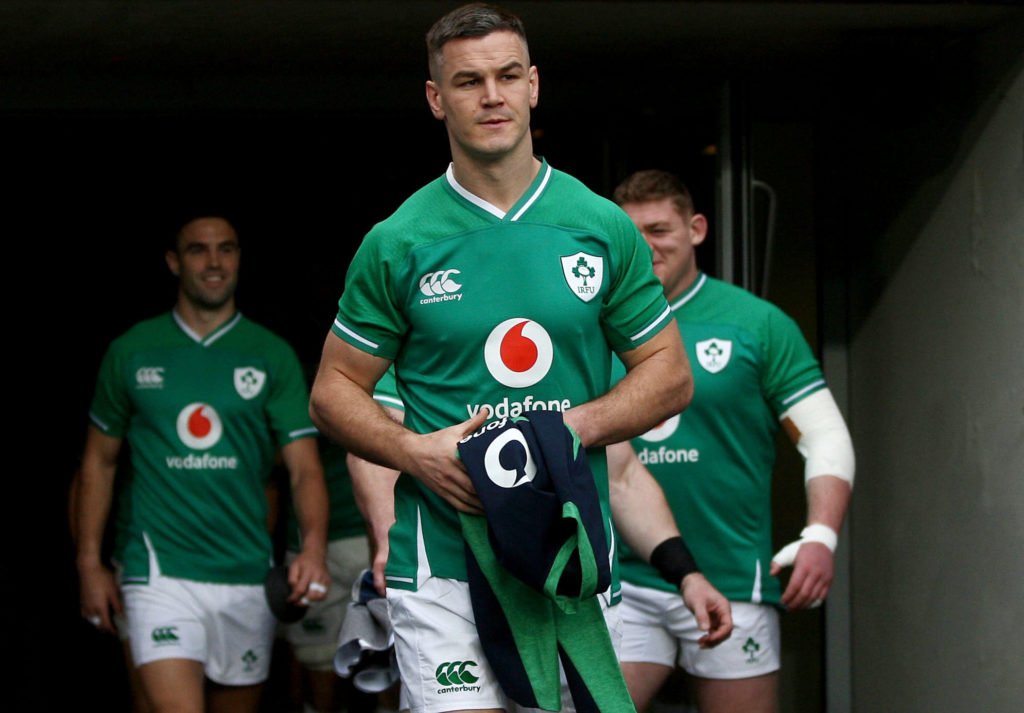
(663,430)
(518,352)
(199,426)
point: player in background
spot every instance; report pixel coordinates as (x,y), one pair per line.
(204,398)
(753,373)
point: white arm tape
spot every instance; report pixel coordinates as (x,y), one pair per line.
(824,439)
(816,532)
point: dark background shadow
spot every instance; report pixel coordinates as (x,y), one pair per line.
(304,123)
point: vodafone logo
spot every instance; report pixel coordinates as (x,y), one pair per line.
(518,352)
(663,430)
(199,426)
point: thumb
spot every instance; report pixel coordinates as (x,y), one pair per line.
(786,556)
(703,618)
(473,422)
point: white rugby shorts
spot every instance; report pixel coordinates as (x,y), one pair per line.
(227,627)
(440,657)
(658,628)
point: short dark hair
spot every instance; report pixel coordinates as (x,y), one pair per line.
(175,235)
(476,19)
(654,185)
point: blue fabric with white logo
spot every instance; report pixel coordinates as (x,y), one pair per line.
(536,562)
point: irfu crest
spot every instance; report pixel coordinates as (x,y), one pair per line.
(583,273)
(249,381)
(713,354)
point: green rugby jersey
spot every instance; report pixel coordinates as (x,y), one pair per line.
(508,312)
(202,418)
(714,461)
(345,520)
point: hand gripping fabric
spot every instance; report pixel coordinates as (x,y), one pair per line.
(536,562)
(366,643)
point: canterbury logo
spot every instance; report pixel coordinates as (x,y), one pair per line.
(453,673)
(150,376)
(165,635)
(439,283)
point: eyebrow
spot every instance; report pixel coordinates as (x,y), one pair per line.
(473,73)
(217,245)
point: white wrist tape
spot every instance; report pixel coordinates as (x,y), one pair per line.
(815,532)
(824,440)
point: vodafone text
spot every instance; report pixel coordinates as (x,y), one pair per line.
(652,456)
(506,408)
(205,461)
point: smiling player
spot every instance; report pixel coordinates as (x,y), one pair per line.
(204,398)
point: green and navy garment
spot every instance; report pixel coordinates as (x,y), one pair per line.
(714,461)
(537,560)
(345,520)
(202,418)
(509,312)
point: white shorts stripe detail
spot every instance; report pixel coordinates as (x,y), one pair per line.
(406,580)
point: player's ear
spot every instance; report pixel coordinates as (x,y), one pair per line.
(434,99)
(698,228)
(534,87)
(173,263)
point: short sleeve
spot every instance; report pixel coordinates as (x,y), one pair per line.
(635,309)
(288,405)
(111,407)
(790,371)
(369,317)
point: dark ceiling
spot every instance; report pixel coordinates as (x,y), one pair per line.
(326,54)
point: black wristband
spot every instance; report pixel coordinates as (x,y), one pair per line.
(673,560)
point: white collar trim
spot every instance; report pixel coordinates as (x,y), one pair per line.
(487,205)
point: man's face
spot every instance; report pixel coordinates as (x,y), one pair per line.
(672,238)
(484,91)
(206,262)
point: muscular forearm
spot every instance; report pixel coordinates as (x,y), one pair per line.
(641,513)
(346,414)
(827,500)
(309,493)
(373,487)
(92,496)
(658,384)
(343,409)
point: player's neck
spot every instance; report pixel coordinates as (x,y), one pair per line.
(201,320)
(501,183)
(683,285)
